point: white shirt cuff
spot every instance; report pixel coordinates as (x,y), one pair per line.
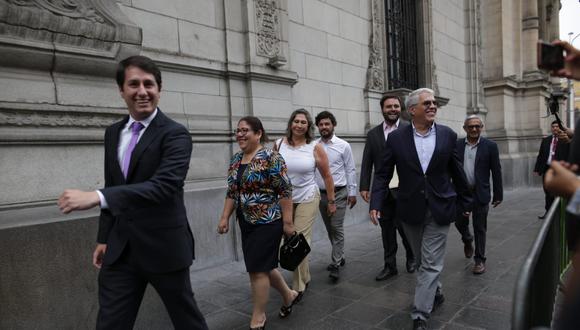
(574,203)
(104,204)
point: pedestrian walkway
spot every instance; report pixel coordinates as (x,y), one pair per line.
(357,301)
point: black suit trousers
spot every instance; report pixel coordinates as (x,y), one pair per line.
(479,217)
(389,227)
(122,286)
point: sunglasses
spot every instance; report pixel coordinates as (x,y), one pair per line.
(429,103)
(474,126)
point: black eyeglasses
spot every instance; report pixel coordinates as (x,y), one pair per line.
(242,131)
(428,103)
(474,126)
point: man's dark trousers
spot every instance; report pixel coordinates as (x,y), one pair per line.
(119,311)
(389,227)
(479,218)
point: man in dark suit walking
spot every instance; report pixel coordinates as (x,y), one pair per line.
(479,157)
(553,147)
(372,157)
(144,236)
(426,158)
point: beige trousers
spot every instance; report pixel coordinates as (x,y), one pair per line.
(304,215)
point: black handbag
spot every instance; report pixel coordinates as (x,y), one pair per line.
(293,251)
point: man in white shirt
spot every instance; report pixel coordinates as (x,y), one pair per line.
(343,172)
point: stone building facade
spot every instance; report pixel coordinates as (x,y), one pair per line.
(221,60)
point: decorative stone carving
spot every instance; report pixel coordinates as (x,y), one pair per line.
(267,28)
(56,119)
(80,34)
(375,71)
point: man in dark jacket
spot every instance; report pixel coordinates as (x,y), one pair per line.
(553,147)
(144,235)
(479,157)
(372,157)
(431,183)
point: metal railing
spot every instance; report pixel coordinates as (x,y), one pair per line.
(538,279)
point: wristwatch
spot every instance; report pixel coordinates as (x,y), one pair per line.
(331,201)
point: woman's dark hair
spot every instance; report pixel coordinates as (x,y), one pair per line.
(142,62)
(309,132)
(256,125)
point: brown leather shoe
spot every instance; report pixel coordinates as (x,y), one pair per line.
(468,249)
(479,268)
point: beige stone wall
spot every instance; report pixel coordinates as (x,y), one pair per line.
(329,51)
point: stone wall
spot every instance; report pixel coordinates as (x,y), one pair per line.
(221,60)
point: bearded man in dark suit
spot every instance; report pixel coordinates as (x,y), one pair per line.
(391,107)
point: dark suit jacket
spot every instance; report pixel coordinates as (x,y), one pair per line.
(146,210)
(420,191)
(373,156)
(486,160)
(562,150)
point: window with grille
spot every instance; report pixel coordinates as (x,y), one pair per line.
(401,32)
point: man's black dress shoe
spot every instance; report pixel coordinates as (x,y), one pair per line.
(419,324)
(411,266)
(386,273)
(438,301)
(341,263)
(334,273)
(468,249)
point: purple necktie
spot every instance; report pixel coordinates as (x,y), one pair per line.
(136,127)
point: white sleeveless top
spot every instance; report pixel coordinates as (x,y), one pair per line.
(301,169)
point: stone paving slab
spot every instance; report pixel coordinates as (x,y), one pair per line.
(357,301)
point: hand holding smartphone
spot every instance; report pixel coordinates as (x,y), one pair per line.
(550,57)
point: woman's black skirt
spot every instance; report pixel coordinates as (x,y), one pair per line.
(260,244)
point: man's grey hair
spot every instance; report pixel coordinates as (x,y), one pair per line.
(413,98)
(468,118)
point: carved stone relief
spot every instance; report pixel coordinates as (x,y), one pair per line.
(267,28)
(55,119)
(82,35)
(69,22)
(375,71)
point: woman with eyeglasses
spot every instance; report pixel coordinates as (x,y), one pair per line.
(260,192)
(303,157)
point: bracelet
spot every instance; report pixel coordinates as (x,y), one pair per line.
(331,201)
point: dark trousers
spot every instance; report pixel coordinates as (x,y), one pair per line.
(389,227)
(549,198)
(479,218)
(121,289)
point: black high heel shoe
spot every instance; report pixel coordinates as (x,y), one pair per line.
(285,311)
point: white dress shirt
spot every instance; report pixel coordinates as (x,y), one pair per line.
(425,145)
(124,140)
(389,128)
(341,163)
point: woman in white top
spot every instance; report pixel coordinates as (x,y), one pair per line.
(303,156)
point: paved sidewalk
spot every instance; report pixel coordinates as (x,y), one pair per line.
(357,301)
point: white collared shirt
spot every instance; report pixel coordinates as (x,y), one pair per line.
(388,129)
(125,135)
(469,160)
(124,140)
(425,145)
(341,163)
(553,146)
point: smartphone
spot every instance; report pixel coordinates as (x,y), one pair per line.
(550,57)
